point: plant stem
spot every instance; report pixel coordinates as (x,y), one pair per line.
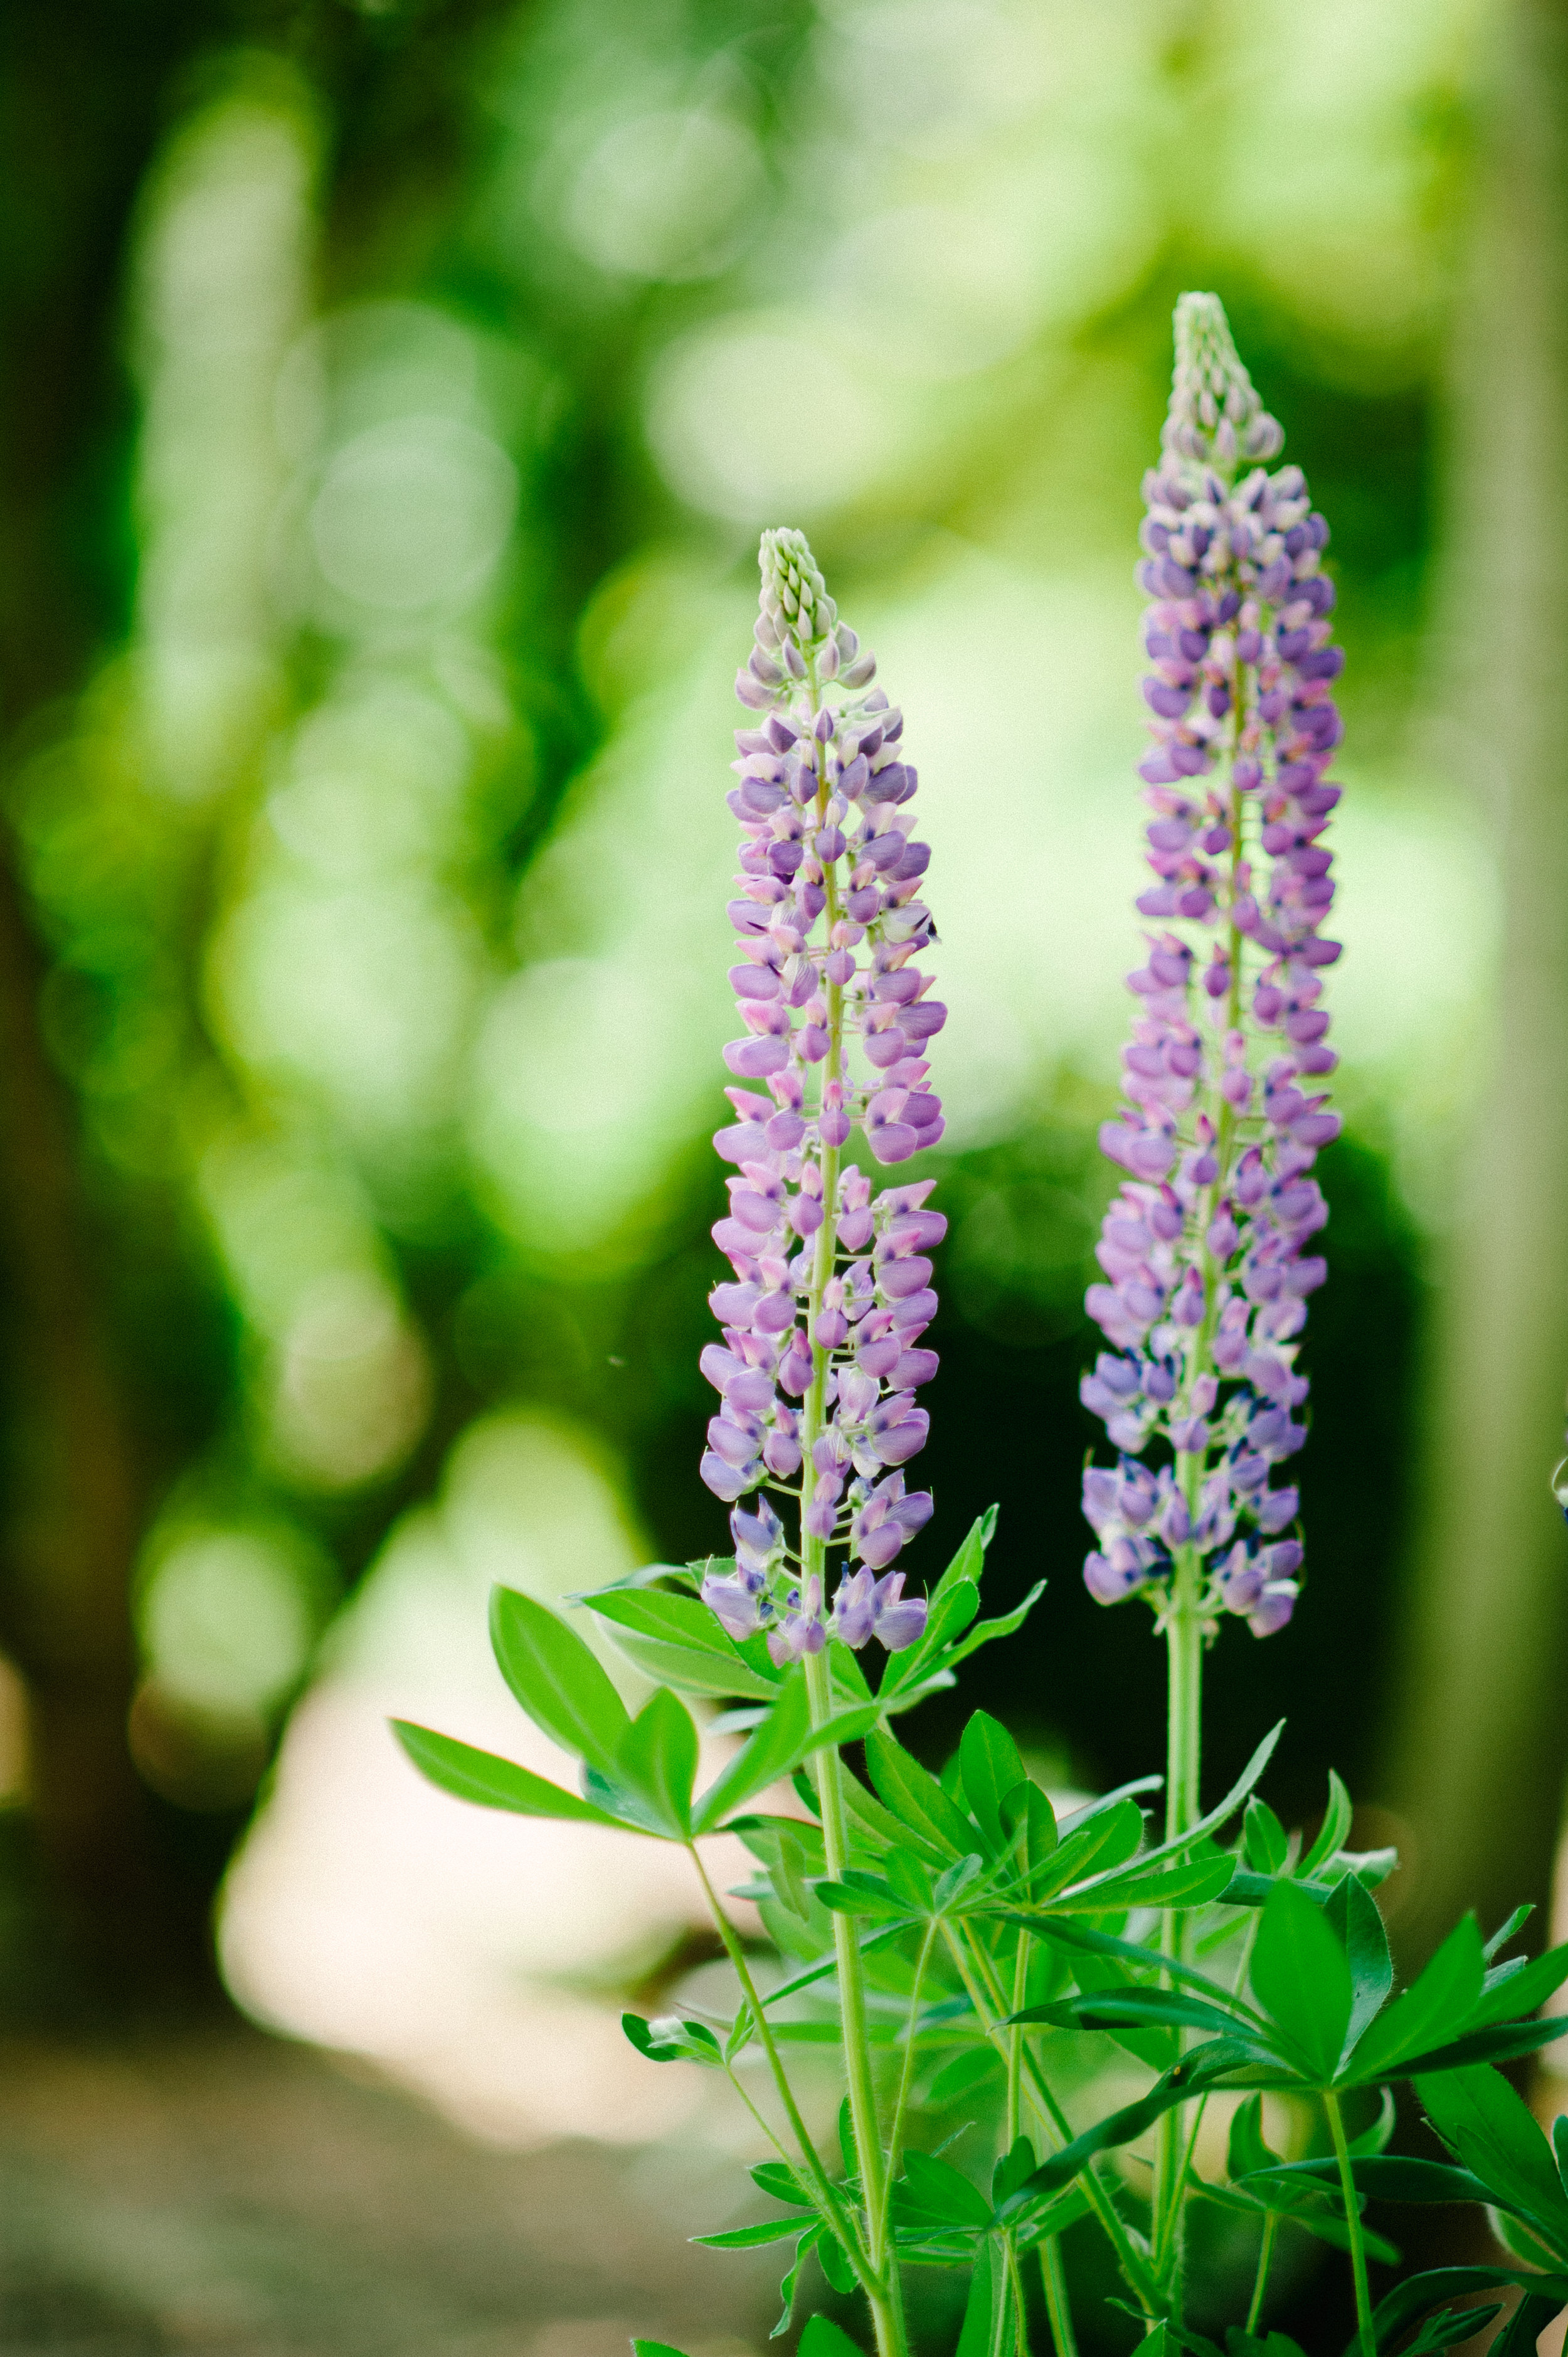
(1184,1751)
(826,2191)
(1016,2277)
(1353,2223)
(1265,2254)
(906,2077)
(1053,2274)
(886,2301)
(1050,2113)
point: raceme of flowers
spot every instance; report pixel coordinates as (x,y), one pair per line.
(821,1358)
(1205,1250)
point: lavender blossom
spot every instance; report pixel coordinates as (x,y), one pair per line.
(821,1356)
(1205,1249)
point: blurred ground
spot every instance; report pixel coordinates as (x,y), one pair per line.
(223,2194)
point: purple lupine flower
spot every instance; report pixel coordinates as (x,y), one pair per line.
(821,1356)
(1205,1249)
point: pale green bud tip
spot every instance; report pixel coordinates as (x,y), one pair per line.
(794,596)
(1216,418)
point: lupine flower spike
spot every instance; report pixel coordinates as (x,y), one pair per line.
(821,1356)
(1205,1250)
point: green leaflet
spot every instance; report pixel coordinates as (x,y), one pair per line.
(1385,2177)
(1434,2012)
(655,2348)
(915,1798)
(1263,1838)
(1193,1884)
(993,1767)
(556,1678)
(783,1739)
(493,1782)
(932,2192)
(1398,2310)
(822,2338)
(667,2039)
(677,1640)
(1495,2133)
(989,2327)
(655,1764)
(1302,1979)
(1332,1830)
(750,2238)
(1351,1914)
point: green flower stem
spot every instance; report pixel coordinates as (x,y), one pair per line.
(906,2077)
(1184,1640)
(887,2304)
(822,2185)
(1053,2272)
(1353,2223)
(1016,2278)
(989,2007)
(1265,2255)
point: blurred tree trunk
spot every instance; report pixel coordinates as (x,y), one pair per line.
(1482,1732)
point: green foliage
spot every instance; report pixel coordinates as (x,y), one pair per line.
(557,1680)
(494,1783)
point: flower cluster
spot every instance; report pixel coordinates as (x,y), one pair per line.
(821,1356)
(1205,1248)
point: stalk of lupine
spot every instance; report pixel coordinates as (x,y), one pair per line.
(1205,1250)
(821,1356)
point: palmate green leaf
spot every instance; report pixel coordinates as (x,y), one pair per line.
(1398,2310)
(1479,2116)
(558,1680)
(913,1796)
(1300,1976)
(495,1783)
(655,2348)
(677,1640)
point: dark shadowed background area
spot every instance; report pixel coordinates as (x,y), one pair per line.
(389,399)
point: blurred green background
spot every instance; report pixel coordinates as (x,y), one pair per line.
(391,396)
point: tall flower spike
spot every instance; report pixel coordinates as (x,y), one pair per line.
(1205,1250)
(821,1355)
